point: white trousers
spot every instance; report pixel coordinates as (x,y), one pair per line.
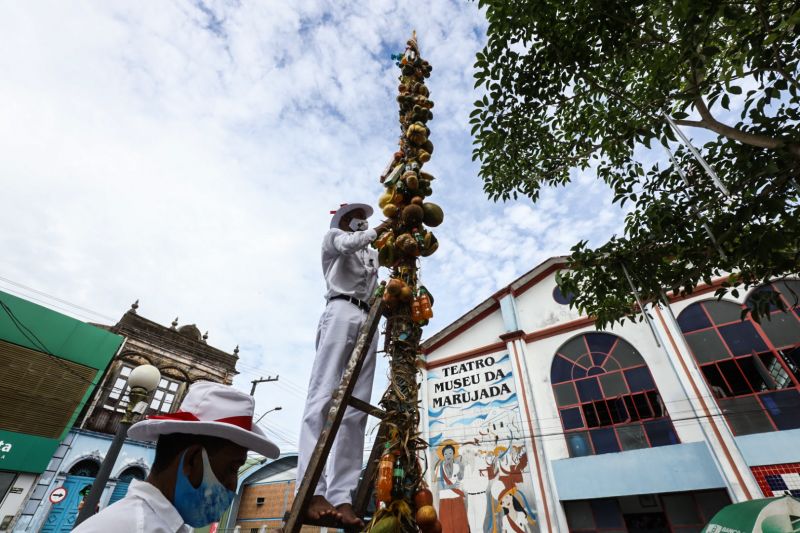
(336,337)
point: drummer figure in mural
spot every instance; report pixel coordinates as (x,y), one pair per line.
(447,475)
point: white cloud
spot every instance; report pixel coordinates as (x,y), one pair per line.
(156,151)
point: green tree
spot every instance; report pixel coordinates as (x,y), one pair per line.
(587,83)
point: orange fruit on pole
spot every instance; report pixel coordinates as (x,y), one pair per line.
(422,498)
(426,517)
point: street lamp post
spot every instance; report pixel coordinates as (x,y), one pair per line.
(141,381)
(268,412)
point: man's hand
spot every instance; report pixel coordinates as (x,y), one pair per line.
(382,227)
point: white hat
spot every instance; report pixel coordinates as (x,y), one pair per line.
(346,208)
(214,410)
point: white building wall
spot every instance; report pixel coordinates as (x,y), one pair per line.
(718,436)
(690,419)
(483,333)
(696,420)
(538,310)
(539,435)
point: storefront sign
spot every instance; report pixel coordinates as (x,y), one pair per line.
(5,447)
(25,453)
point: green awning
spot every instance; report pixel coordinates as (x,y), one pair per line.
(769,515)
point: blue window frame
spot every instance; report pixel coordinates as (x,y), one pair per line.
(612,402)
(572,418)
(754,364)
(693,318)
(639,379)
(588,389)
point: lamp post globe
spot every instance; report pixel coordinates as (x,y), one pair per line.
(144,376)
(142,380)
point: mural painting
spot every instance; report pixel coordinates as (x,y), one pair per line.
(479,472)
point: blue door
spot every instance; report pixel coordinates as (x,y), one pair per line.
(120,490)
(62,514)
(124,481)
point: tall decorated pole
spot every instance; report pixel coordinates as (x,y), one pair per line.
(404,503)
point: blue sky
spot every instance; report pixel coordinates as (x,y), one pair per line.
(187,154)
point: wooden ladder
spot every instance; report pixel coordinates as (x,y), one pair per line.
(342,398)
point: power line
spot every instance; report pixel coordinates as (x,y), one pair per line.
(285,434)
(33,339)
(279,436)
(284,383)
(278,427)
(56,298)
(525,435)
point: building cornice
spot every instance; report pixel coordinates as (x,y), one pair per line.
(491,304)
(477,352)
(138,328)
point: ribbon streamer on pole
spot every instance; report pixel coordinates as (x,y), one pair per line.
(696,154)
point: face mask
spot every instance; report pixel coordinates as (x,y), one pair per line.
(205,504)
(358,224)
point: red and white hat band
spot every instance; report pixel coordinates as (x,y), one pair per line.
(244,422)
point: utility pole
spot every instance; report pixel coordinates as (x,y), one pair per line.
(255,383)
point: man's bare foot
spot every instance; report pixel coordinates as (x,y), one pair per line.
(348,516)
(319,507)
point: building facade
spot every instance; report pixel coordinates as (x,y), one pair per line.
(538,422)
(183,357)
(264,496)
(51,363)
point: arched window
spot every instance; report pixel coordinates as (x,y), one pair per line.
(85,467)
(607,398)
(132,472)
(752,369)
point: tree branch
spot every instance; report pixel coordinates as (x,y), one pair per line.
(709,122)
(690,123)
(776,54)
(785,73)
(596,83)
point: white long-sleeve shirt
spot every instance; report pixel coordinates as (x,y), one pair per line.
(144,509)
(349,264)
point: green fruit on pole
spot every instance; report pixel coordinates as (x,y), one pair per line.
(432,214)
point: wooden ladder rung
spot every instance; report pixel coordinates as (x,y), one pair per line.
(365,407)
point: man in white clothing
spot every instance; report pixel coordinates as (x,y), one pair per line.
(199,451)
(350,267)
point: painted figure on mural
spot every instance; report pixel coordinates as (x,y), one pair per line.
(513,515)
(448,474)
(480,467)
(512,473)
(508,510)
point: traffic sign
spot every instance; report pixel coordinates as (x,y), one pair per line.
(58,495)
